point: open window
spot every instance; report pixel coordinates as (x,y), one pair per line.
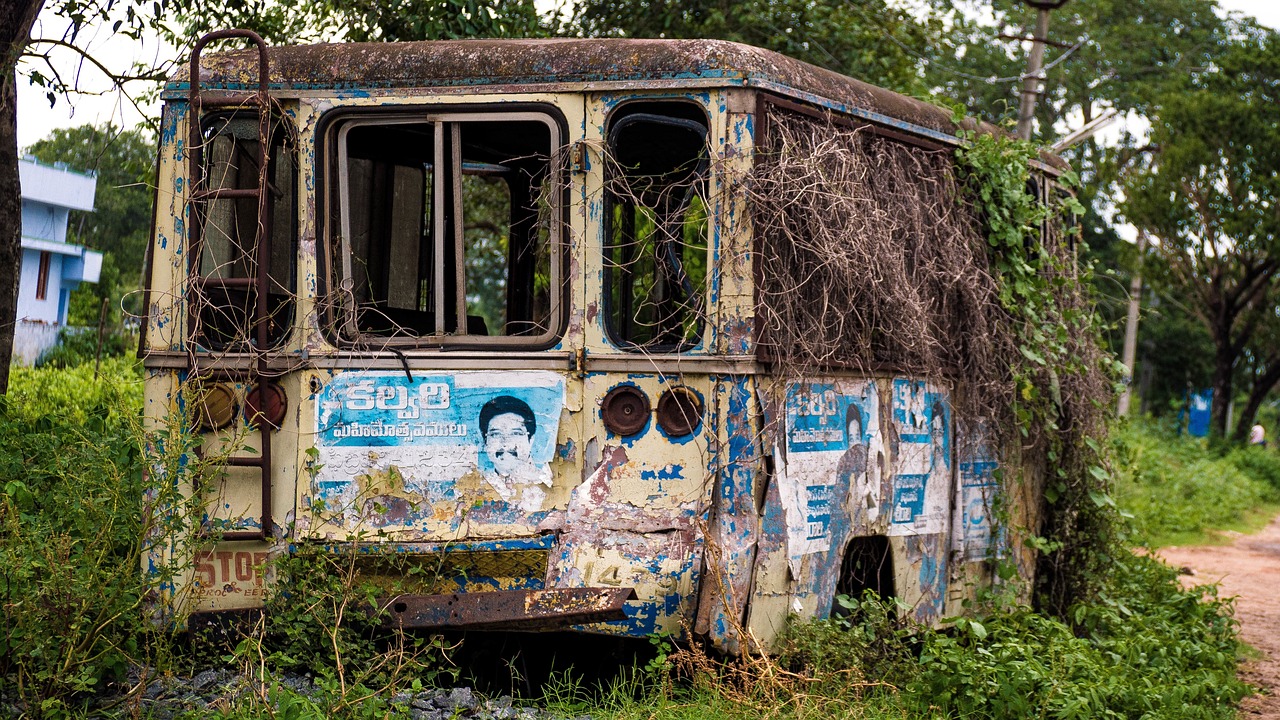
(447,229)
(656,226)
(227,251)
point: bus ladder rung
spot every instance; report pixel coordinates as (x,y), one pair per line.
(217,282)
(226,194)
(261,462)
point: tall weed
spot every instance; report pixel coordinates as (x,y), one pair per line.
(71,530)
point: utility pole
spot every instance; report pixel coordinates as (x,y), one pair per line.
(1033,78)
(1130,353)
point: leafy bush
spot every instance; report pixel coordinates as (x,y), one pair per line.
(1147,649)
(869,640)
(70,531)
(72,395)
(1173,485)
(79,346)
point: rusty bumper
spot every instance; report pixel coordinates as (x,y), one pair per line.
(507,609)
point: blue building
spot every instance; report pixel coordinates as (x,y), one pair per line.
(51,267)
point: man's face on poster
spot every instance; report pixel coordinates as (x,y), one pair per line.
(507,443)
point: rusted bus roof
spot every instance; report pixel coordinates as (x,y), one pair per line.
(600,63)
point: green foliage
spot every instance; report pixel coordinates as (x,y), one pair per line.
(1142,647)
(863,38)
(70,534)
(1205,185)
(869,639)
(72,395)
(1146,648)
(1061,376)
(292,21)
(1177,488)
(79,346)
(323,618)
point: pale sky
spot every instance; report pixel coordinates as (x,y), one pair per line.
(36,118)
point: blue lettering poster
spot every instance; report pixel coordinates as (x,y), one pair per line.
(830,479)
(921,480)
(474,437)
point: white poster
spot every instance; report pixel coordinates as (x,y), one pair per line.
(831,478)
(921,480)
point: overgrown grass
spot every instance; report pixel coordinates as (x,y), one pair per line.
(1148,649)
(1179,490)
(70,534)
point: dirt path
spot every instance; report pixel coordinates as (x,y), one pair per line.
(1248,568)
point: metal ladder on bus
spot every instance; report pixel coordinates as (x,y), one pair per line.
(259,284)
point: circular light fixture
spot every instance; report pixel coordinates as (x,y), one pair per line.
(679,411)
(266,403)
(213,407)
(625,410)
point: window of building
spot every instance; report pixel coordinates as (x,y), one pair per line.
(42,279)
(448,229)
(656,226)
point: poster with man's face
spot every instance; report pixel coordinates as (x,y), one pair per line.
(492,430)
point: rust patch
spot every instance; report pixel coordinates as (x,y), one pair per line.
(471,63)
(514,609)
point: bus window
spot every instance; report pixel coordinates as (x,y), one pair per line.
(227,250)
(656,235)
(442,232)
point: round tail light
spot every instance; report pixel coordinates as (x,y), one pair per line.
(679,412)
(625,410)
(213,407)
(266,403)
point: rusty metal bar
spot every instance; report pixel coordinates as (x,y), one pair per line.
(262,234)
(204,282)
(225,194)
(507,609)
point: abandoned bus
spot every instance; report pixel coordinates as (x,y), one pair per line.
(503,310)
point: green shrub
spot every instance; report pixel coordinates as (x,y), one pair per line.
(71,528)
(1174,485)
(79,345)
(1148,649)
(71,395)
(1261,464)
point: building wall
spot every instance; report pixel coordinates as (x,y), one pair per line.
(49,194)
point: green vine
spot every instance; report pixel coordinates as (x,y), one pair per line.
(1061,374)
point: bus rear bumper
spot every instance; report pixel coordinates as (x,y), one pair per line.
(507,609)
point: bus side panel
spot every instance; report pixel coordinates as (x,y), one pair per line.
(634,519)
(858,463)
(734,525)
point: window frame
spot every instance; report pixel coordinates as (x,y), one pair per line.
(283,129)
(340,324)
(607,278)
(42,275)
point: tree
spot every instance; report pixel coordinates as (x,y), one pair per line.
(868,39)
(120,223)
(295,21)
(1207,188)
(16,19)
